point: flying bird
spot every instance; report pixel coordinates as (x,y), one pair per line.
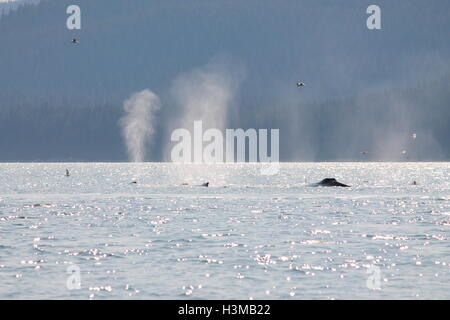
(75,41)
(364,152)
(300,84)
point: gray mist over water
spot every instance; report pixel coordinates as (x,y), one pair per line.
(138,123)
(384,122)
(205,94)
(366,90)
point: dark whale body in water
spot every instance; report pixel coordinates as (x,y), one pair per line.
(206,184)
(329,182)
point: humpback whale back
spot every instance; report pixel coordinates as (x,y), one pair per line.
(330,182)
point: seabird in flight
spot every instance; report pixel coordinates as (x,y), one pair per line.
(300,84)
(75,41)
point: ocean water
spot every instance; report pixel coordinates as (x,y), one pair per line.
(247,236)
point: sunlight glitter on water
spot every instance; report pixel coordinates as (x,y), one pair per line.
(245,236)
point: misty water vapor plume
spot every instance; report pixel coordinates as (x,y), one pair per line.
(138,122)
(204,94)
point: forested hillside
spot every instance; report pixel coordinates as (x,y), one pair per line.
(366,90)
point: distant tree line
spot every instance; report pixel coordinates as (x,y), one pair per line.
(375,126)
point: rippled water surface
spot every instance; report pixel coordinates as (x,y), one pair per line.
(246,236)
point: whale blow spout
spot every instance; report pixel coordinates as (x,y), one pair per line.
(330,182)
